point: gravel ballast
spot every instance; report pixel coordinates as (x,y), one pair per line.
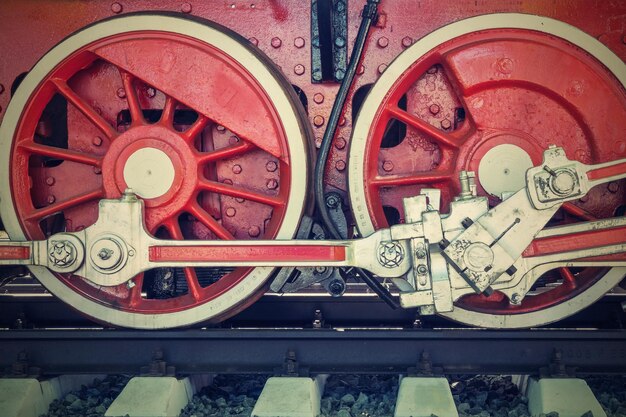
(89,401)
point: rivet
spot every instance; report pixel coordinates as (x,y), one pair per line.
(271,166)
(613,187)
(253,41)
(340,143)
(318,98)
(233,140)
(150,92)
(272,184)
(446,124)
(298,69)
(342,121)
(276,42)
(185,8)
(432,69)
(230,211)
(360,69)
(240,200)
(383,42)
(434,109)
(340,42)
(237,169)
(254,231)
(116,8)
(317,75)
(407,41)
(340,165)
(382,68)
(504,65)
(387,166)
(339,74)
(318,120)
(97,170)
(121,93)
(298,42)
(51,199)
(97,141)
(50,180)
(228,181)
(220,128)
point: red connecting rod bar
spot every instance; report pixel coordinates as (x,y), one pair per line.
(239,253)
(17,253)
(577,241)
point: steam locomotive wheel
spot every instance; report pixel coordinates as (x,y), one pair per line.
(198,123)
(489,94)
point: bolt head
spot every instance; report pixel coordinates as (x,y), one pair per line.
(383,42)
(50,180)
(446,124)
(318,121)
(116,8)
(387,166)
(254,231)
(237,169)
(271,166)
(434,109)
(299,70)
(230,211)
(97,141)
(121,93)
(340,143)
(340,165)
(407,41)
(276,42)
(272,184)
(318,98)
(299,42)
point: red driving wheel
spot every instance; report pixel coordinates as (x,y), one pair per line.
(489,97)
(208,139)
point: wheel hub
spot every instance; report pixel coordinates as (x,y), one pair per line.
(149,172)
(502,169)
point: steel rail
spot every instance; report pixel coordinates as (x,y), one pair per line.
(316,350)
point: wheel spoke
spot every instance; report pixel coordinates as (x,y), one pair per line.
(64,205)
(191,277)
(195,129)
(411,179)
(82,106)
(581,213)
(167,117)
(135,293)
(136,114)
(233,191)
(61,153)
(205,218)
(419,124)
(225,153)
(568,277)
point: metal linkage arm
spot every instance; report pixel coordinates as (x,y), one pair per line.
(490,246)
(117,247)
